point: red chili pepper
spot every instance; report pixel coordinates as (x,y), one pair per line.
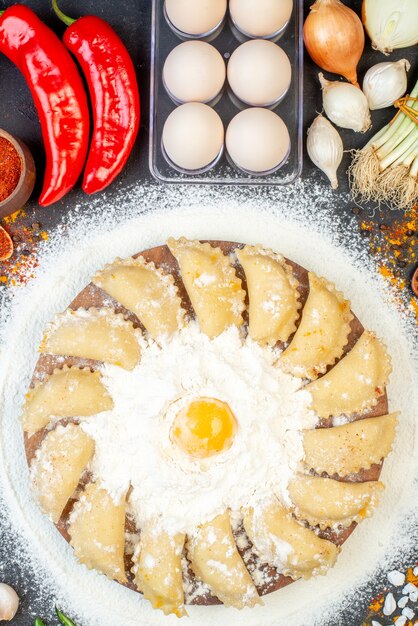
(58,93)
(113,88)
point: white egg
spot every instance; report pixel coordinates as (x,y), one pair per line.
(194,72)
(260,18)
(259,72)
(193,136)
(195,17)
(257,140)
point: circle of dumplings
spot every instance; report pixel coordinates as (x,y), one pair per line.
(277,303)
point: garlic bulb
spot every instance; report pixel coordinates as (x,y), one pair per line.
(345,105)
(384,83)
(325,148)
(391,24)
(9,602)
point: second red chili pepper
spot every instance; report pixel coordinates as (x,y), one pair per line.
(113,88)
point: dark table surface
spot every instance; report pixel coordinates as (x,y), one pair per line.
(131,19)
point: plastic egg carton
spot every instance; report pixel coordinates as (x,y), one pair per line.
(226,39)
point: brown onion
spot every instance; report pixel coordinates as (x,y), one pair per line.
(334,38)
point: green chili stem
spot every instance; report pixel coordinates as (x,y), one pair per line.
(64,18)
(66,621)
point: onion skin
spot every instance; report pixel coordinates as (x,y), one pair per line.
(334,38)
(385,33)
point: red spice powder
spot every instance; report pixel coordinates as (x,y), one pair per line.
(10,168)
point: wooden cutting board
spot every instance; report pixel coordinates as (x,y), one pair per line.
(92,296)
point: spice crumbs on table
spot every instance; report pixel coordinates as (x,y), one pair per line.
(396,606)
(21,267)
(395,246)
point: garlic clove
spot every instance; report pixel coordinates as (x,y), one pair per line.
(9,602)
(345,105)
(391,24)
(325,148)
(384,83)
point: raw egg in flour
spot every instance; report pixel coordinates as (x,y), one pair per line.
(204,427)
(195,17)
(260,18)
(194,72)
(259,73)
(193,137)
(257,141)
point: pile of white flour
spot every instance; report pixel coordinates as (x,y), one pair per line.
(170,489)
(297,221)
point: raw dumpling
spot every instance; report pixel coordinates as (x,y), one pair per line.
(97,531)
(215,560)
(158,571)
(273,295)
(356,382)
(211,283)
(284,543)
(323,331)
(326,502)
(349,448)
(68,392)
(58,465)
(97,334)
(146,291)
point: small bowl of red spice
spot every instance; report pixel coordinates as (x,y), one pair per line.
(17,173)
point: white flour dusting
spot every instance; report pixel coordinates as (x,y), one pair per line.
(171,489)
(297,221)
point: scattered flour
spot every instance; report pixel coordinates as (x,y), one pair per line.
(170,488)
(298,221)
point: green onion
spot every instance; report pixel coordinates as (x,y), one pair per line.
(64,619)
(386,169)
(39,622)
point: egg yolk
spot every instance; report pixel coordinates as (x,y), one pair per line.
(204,427)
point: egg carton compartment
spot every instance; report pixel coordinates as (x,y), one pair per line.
(290,108)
